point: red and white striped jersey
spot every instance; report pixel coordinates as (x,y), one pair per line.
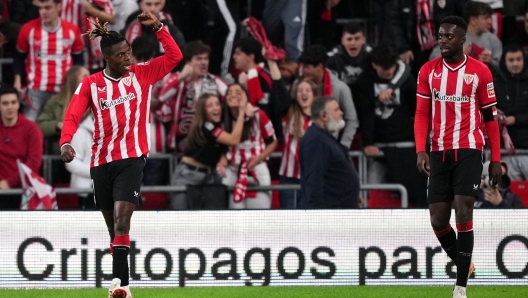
(121,106)
(261,129)
(290,154)
(49,53)
(458,93)
(73,12)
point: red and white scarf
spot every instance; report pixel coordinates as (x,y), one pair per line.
(508,144)
(240,191)
(327,84)
(425,24)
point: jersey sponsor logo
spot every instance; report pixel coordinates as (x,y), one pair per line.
(127,81)
(41,55)
(451,98)
(491,90)
(468,78)
(107,104)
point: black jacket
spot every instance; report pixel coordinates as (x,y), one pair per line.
(509,200)
(512,99)
(386,123)
(328,177)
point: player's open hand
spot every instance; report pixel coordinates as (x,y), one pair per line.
(67,153)
(148,19)
(495,173)
(423,163)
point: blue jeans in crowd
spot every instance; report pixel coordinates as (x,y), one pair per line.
(289,199)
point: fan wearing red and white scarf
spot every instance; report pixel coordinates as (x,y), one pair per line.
(240,192)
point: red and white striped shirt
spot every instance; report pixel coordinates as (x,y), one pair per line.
(261,129)
(458,93)
(49,53)
(290,154)
(121,106)
(73,11)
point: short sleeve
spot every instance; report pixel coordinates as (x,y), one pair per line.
(23,41)
(422,85)
(266,127)
(485,89)
(211,131)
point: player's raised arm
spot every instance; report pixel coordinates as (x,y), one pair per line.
(162,65)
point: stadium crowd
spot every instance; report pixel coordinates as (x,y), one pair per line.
(372,79)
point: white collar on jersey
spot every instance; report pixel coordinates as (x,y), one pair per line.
(457,67)
(52,30)
(110,78)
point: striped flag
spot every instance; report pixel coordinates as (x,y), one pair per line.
(37,194)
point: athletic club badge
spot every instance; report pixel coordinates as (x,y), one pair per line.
(468,78)
(127,81)
(441,3)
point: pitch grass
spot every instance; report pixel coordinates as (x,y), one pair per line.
(281,292)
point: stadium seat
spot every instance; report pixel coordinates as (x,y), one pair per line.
(66,201)
(520,188)
(384,199)
(154,201)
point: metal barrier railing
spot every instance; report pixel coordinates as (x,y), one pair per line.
(171,188)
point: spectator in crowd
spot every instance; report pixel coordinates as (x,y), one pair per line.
(50,45)
(480,43)
(79,167)
(313,60)
(412,26)
(497,197)
(295,124)
(388,101)
(52,117)
(284,22)
(349,60)
(266,91)
(8,32)
(511,86)
(123,10)
(20,139)
(328,177)
(223,27)
(83,14)
(23,11)
(247,159)
(205,145)
(181,91)
(134,29)
(496,17)
(521,37)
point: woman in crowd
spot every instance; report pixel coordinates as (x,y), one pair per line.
(51,119)
(295,124)
(246,161)
(206,143)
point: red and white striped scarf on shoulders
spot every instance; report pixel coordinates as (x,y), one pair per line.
(425,24)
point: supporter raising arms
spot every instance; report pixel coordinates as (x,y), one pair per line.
(295,125)
(205,145)
(119,97)
(248,158)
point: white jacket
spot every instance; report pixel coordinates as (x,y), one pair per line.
(79,167)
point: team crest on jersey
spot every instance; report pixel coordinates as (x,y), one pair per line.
(127,81)
(468,78)
(491,90)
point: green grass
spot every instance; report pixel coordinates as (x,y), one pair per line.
(281,292)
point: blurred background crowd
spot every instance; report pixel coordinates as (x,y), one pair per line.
(364,53)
